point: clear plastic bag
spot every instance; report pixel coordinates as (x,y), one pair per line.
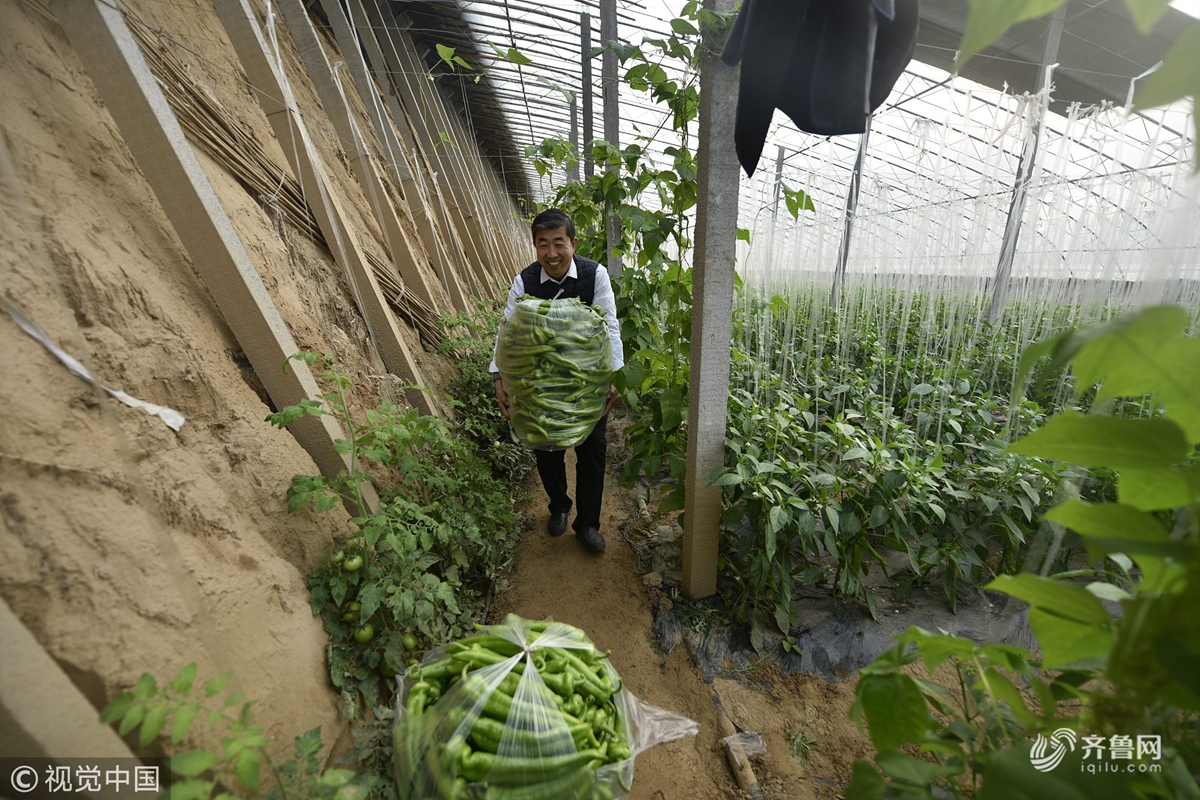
(555,357)
(551,721)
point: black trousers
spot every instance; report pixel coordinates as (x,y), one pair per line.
(589,477)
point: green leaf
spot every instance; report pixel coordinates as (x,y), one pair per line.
(352,791)
(193,762)
(369,598)
(743,235)
(1159,489)
(1111,527)
(1060,599)
(517,57)
(671,404)
(866,782)
(336,777)
(215,685)
(184,680)
(191,790)
(1115,352)
(683,27)
(1144,353)
(445,53)
(1101,441)
(182,722)
(117,708)
(997,684)
(156,718)
(1108,591)
(895,710)
(907,769)
(1067,642)
(132,719)
(936,648)
(989,19)
(246,768)
(673,501)
(1178,77)
(146,687)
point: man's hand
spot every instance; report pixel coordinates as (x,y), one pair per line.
(502,397)
(612,398)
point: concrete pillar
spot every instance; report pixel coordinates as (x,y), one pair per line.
(42,713)
(430,227)
(573,171)
(712,314)
(585,89)
(612,124)
(402,71)
(404,255)
(1016,208)
(106,47)
(277,102)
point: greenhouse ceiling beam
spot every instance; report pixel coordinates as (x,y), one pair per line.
(1016,209)
(718,178)
(99,36)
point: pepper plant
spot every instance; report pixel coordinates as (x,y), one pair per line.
(1118,658)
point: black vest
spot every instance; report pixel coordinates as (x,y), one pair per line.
(583,287)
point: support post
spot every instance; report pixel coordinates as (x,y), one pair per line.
(42,713)
(586,89)
(1016,208)
(401,59)
(99,35)
(435,239)
(275,98)
(839,273)
(573,172)
(406,259)
(612,124)
(778,183)
(712,314)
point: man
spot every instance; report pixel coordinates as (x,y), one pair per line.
(559,273)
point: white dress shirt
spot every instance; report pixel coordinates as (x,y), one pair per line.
(602,297)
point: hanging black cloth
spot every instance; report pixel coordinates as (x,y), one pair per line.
(827,64)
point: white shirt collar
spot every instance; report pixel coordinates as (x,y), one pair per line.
(571,273)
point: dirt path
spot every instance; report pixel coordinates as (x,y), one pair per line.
(604,595)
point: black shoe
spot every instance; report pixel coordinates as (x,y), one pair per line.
(557,525)
(591,539)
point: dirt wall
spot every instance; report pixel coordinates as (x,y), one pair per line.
(127,547)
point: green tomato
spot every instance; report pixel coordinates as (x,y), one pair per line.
(364,634)
(354,606)
(353,564)
(337,557)
(409,640)
(385,669)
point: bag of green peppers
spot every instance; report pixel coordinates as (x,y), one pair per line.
(524,710)
(555,358)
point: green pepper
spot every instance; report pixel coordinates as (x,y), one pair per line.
(480,766)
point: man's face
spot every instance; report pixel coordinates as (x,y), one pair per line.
(554,251)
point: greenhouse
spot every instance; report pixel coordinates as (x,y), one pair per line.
(646,399)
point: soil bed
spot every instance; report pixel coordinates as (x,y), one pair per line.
(607,596)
